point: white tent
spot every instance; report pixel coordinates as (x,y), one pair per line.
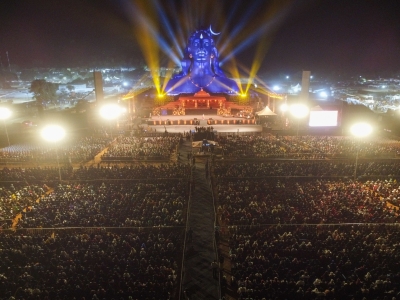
(266,112)
(316,108)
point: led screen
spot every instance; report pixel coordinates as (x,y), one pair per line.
(323,118)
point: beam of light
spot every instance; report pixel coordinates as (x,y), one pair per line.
(137,88)
(240,24)
(250,40)
(150,41)
(232,12)
(168,76)
(178,84)
(263,87)
(181,36)
(233,70)
(262,46)
(168,27)
(262,31)
(147,26)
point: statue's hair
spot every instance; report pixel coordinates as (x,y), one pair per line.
(198,32)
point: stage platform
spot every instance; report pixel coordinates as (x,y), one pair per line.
(172,127)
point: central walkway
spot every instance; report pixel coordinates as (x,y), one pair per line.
(198,281)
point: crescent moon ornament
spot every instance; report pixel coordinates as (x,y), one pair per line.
(214,33)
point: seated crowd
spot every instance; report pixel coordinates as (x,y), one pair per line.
(263,201)
(98,265)
(288,238)
(307,168)
(309,262)
(15,197)
(315,147)
(142,147)
(76,151)
(96,204)
(137,171)
(95,263)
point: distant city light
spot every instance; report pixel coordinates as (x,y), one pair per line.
(383,86)
(125,83)
(287,77)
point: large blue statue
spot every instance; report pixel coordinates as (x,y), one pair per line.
(200,68)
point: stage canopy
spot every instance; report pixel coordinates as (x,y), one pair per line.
(266,112)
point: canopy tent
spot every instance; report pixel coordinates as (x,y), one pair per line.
(266,112)
(316,108)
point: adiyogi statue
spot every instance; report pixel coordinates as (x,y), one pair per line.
(200,68)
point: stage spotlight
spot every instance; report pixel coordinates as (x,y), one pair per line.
(160,95)
(243,95)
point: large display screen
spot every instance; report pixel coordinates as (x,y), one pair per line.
(323,118)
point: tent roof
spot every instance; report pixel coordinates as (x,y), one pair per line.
(266,112)
(316,108)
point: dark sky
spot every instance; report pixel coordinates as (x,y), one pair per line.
(317,35)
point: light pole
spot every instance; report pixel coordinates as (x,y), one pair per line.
(54,133)
(359,130)
(111,112)
(5,113)
(299,111)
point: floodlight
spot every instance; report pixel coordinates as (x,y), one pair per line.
(53,133)
(323,94)
(111,111)
(299,110)
(5,113)
(361,129)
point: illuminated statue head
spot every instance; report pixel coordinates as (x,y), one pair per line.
(200,68)
(201,46)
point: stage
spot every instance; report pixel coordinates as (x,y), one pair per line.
(202,122)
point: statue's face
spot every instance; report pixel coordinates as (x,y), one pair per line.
(201,47)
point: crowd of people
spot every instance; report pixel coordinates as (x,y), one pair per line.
(99,172)
(306,168)
(91,265)
(15,197)
(126,242)
(119,204)
(311,262)
(309,238)
(137,148)
(77,150)
(290,201)
(296,229)
(315,147)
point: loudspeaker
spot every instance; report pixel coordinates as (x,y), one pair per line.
(98,85)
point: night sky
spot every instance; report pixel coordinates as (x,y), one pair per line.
(321,36)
